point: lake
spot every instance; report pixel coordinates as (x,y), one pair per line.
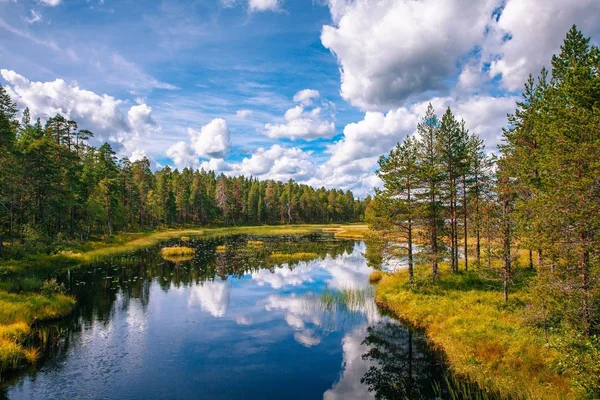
(230,323)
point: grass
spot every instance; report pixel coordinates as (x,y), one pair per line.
(375,276)
(18,313)
(177,251)
(486,341)
(255,243)
(221,249)
(348,231)
(185,239)
(292,257)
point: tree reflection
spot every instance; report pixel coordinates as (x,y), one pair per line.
(403,364)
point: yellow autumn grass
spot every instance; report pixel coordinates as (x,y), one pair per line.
(177,251)
(375,276)
(484,340)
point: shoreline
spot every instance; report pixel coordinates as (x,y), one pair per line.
(484,341)
(20,311)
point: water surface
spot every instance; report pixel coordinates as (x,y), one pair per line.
(230,325)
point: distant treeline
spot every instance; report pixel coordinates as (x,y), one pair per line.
(53,184)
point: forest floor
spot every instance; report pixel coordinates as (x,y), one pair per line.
(27,297)
(485,340)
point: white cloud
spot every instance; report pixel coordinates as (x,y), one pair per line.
(35,17)
(51,3)
(243,114)
(306,96)
(301,124)
(212,140)
(528,32)
(263,5)
(182,155)
(392,50)
(101,114)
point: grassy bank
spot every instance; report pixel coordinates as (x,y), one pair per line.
(485,340)
(27,297)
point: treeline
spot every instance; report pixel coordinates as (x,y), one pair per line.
(541,195)
(54,185)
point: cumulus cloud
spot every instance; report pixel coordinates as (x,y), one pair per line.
(394,52)
(306,96)
(390,50)
(302,121)
(211,141)
(102,114)
(528,32)
(301,124)
(263,5)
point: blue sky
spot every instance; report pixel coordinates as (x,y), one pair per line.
(313,90)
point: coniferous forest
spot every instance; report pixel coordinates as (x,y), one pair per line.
(54,185)
(525,219)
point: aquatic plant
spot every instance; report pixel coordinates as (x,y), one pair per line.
(255,243)
(221,249)
(177,251)
(185,238)
(290,257)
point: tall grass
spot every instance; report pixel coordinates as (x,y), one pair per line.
(485,340)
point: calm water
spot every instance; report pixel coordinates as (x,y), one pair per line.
(230,325)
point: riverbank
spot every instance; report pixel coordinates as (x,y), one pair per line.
(26,295)
(485,340)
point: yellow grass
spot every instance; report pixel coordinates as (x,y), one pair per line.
(221,249)
(375,276)
(177,251)
(17,313)
(255,243)
(185,238)
(484,340)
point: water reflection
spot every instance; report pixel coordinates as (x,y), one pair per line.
(229,325)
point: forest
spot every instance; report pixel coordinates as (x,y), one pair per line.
(525,220)
(55,186)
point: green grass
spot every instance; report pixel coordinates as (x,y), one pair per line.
(486,341)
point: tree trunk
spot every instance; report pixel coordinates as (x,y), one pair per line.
(410,243)
(465,222)
(530,259)
(507,240)
(585,283)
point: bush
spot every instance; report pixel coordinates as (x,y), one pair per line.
(52,287)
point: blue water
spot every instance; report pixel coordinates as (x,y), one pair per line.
(229,326)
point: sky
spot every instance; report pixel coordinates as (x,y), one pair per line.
(314,90)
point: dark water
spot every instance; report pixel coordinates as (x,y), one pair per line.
(230,325)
